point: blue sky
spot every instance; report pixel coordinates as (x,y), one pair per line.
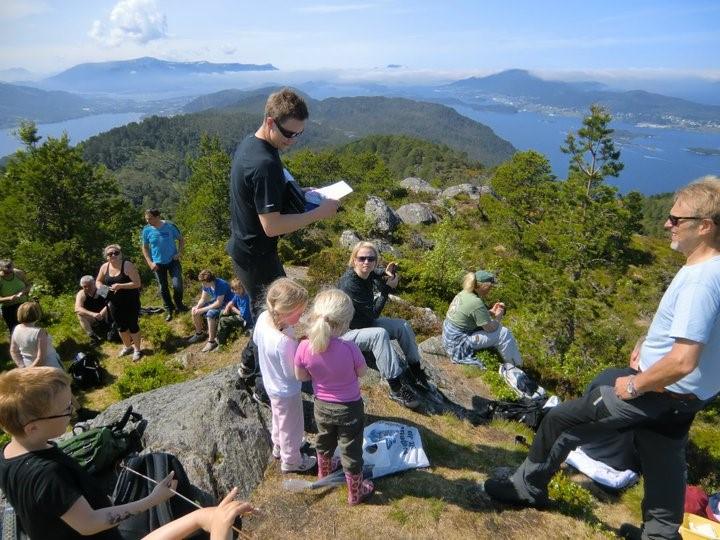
(427,38)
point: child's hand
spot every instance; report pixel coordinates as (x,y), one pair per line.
(161,492)
(222,517)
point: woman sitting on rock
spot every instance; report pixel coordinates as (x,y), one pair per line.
(470,326)
(372,333)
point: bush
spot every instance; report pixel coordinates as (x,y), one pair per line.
(147,375)
(159,333)
(572,499)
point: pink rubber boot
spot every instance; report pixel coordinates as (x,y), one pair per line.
(358,489)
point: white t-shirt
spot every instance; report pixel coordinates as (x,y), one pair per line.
(276,352)
(689,309)
(26,338)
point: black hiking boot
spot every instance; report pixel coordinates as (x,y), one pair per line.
(503,490)
(419,376)
(403,395)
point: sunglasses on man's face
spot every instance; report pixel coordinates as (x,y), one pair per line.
(675,220)
(370,258)
(286,132)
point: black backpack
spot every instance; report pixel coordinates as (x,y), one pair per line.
(131,487)
(528,411)
(86,371)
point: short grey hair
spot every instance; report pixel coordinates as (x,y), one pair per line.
(86,279)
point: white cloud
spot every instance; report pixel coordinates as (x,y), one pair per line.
(334,8)
(137,21)
(19,9)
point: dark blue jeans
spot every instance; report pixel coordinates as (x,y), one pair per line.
(175,270)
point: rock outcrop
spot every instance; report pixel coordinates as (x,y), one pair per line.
(418,185)
(219,434)
(349,238)
(472,191)
(417,214)
(384,219)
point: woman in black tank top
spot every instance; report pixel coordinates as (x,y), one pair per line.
(123,280)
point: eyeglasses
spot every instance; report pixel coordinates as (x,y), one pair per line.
(112,253)
(675,220)
(366,259)
(69,411)
(286,132)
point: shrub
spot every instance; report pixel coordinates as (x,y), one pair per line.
(147,375)
(572,499)
(159,333)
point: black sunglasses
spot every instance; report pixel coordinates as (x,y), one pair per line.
(70,409)
(112,253)
(366,259)
(286,132)
(675,220)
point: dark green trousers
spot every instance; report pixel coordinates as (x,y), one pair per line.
(341,424)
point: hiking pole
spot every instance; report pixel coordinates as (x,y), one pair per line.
(241,534)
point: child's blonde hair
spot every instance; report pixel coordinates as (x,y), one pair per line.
(332,312)
(283,297)
(26,394)
(236,285)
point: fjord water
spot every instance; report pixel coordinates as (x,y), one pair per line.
(77,129)
(657,160)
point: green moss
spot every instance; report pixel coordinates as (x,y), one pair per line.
(147,375)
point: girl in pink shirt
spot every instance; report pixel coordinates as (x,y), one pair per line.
(334,366)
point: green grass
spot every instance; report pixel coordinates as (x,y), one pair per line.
(147,375)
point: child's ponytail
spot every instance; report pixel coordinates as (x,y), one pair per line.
(320,334)
(331,315)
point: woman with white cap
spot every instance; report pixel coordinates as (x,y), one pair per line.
(470,326)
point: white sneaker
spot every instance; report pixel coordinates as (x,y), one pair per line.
(276,451)
(307,463)
(125,351)
(136,355)
(209,346)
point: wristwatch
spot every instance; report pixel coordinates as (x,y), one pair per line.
(631,390)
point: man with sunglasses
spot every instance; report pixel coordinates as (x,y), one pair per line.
(259,196)
(656,398)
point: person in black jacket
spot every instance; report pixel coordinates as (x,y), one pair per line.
(371,332)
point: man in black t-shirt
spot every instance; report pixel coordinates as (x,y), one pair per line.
(258,198)
(92,310)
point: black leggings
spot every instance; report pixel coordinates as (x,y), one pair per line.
(125,314)
(9,314)
(256,273)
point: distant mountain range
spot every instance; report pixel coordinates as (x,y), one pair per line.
(520,89)
(139,75)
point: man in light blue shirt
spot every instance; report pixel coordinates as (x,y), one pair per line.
(676,373)
(162,246)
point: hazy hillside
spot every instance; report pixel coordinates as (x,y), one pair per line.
(26,103)
(522,88)
(354,117)
(140,75)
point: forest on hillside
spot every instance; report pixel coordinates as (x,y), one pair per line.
(150,158)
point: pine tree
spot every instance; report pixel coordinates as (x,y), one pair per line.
(58,212)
